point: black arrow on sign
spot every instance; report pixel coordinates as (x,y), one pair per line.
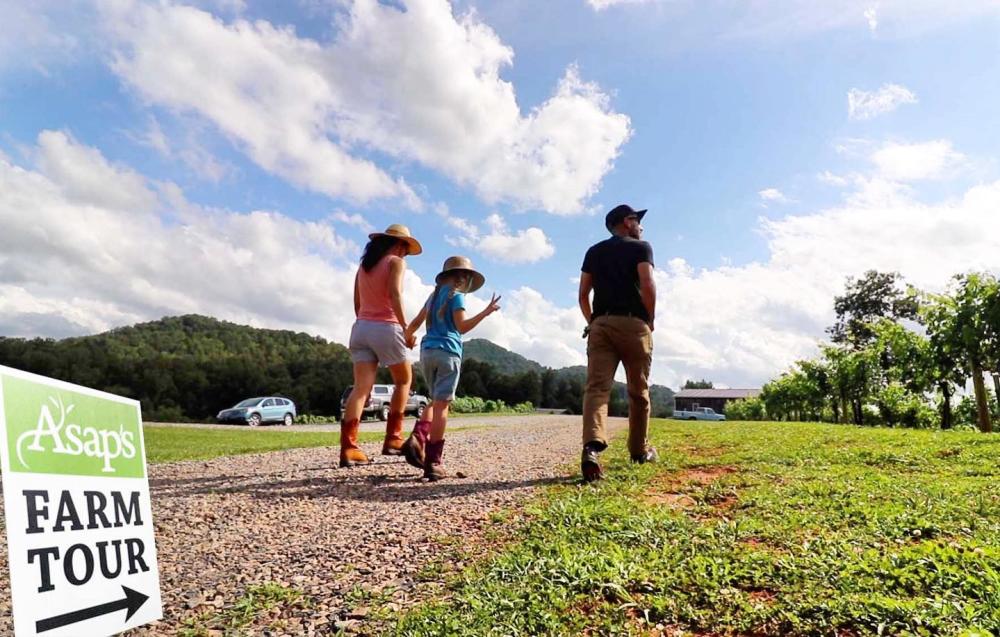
(131,602)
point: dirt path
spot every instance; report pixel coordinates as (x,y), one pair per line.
(339,536)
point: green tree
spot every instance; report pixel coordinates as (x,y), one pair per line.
(875,295)
(975,300)
(938,314)
(698,384)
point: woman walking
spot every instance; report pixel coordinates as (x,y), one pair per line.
(441,357)
(378,337)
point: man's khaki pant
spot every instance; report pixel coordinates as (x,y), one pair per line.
(615,339)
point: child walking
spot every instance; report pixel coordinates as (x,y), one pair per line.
(441,357)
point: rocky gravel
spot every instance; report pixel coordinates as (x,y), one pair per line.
(355,542)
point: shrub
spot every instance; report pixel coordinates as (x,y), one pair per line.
(468,405)
(899,407)
(746,409)
(310,419)
(476,405)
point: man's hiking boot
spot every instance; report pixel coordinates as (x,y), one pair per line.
(413,448)
(590,466)
(649,455)
(433,469)
(350,453)
(393,445)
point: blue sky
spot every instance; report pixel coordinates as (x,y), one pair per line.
(229,157)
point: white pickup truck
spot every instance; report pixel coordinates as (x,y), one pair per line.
(702,413)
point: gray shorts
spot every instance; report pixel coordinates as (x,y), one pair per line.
(377,341)
(441,371)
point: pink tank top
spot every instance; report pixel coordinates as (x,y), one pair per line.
(373,288)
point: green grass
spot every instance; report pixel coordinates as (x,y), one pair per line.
(170,444)
(750,529)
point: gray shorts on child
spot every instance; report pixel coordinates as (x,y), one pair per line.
(377,341)
(441,371)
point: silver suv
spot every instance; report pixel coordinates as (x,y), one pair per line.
(378,402)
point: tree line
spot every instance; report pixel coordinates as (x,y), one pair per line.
(187,368)
(897,356)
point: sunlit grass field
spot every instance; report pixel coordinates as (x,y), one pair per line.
(749,529)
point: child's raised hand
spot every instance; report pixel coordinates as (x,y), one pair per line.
(493,306)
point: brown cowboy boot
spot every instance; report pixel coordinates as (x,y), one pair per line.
(393,445)
(350,453)
(433,469)
(413,448)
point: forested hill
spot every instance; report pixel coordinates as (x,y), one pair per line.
(205,338)
(503,360)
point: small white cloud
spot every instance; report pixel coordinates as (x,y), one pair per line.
(871,15)
(355,220)
(600,5)
(828,177)
(772,195)
(912,162)
(524,246)
(862,105)
(499,243)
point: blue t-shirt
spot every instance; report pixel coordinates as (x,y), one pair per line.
(441,331)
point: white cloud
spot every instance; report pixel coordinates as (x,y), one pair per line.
(600,5)
(911,162)
(85,176)
(830,178)
(33,33)
(863,105)
(524,246)
(186,147)
(97,258)
(499,243)
(355,220)
(531,325)
(871,15)
(772,195)
(418,84)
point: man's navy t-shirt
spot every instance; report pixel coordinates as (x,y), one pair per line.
(613,265)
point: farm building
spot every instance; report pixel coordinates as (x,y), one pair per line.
(691,399)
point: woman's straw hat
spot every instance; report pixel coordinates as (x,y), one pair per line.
(461,264)
(401,232)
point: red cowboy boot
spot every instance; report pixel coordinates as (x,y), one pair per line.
(393,445)
(350,453)
(413,448)
(433,469)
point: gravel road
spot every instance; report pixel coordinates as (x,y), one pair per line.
(341,536)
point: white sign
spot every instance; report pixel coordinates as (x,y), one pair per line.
(76,499)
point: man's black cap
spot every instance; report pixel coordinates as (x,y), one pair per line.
(618,214)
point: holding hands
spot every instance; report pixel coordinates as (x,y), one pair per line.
(410,338)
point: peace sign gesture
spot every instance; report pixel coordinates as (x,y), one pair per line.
(493,305)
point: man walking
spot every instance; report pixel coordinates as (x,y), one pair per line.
(619,270)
